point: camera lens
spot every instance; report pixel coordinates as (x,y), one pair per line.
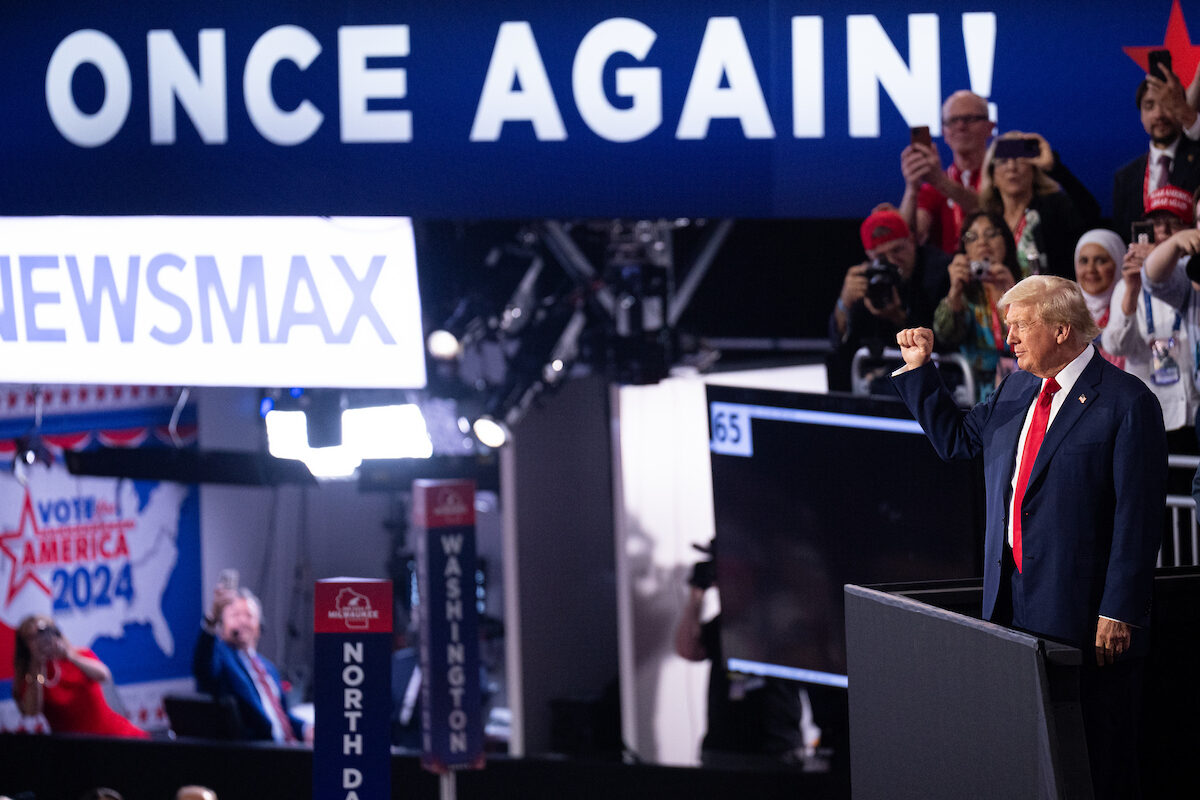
(1193,269)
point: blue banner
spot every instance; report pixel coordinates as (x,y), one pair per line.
(352,655)
(451,712)
(530,109)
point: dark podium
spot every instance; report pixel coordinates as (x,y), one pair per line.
(943,705)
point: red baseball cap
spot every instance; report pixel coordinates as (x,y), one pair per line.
(882,227)
(1174,200)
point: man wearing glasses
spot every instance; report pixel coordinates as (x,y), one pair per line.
(936,201)
(1173,158)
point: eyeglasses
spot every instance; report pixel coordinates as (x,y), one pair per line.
(971,237)
(964,120)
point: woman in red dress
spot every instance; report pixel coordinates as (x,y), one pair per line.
(62,682)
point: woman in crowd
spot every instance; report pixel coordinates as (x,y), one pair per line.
(983,269)
(1044,206)
(62,682)
(1097,254)
(1156,341)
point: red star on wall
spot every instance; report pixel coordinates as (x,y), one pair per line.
(1184,55)
(15,579)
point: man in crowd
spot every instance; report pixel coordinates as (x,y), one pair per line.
(1174,154)
(936,202)
(1075,466)
(1169,274)
(752,721)
(876,301)
(227,664)
(1170,210)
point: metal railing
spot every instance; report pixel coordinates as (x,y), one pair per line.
(1181,547)
(865,368)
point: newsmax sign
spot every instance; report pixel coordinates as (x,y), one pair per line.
(538,109)
(218,301)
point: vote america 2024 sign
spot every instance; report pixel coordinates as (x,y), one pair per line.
(115,562)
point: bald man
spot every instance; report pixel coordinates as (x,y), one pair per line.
(935,201)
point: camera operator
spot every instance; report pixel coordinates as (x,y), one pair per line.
(899,285)
(751,721)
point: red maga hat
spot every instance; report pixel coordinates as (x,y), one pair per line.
(1174,200)
(882,227)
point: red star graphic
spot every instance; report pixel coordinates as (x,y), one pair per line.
(15,580)
(1184,55)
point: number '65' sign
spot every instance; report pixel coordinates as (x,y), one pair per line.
(730,430)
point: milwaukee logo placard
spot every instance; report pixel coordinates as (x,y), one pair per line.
(362,606)
(352,689)
(444,503)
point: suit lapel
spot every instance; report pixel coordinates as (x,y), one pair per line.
(1008,433)
(1184,166)
(242,658)
(1072,409)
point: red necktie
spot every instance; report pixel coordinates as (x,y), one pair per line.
(265,685)
(1033,441)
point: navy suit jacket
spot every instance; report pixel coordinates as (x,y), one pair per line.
(1129,181)
(1094,507)
(220,672)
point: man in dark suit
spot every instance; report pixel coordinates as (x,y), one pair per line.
(226,664)
(1174,128)
(1075,466)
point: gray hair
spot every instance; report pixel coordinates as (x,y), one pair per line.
(251,601)
(1057,301)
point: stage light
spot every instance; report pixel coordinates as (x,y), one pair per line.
(393,431)
(491,432)
(443,345)
(465,326)
(30,450)
(518,309)
(287,437)
(396,431)
(501,309)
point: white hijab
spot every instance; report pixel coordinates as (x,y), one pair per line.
(1098,303)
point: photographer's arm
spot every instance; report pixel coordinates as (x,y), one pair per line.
(1160,262)
(689,642)
(854,288)
(1121,336)
(915,166)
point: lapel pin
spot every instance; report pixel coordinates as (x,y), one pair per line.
(1082,399)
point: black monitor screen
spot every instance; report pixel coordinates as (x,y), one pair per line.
(811,492)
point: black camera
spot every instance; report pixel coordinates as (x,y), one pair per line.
(1193,269)
(883,277)
(979,269)
(704,573)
